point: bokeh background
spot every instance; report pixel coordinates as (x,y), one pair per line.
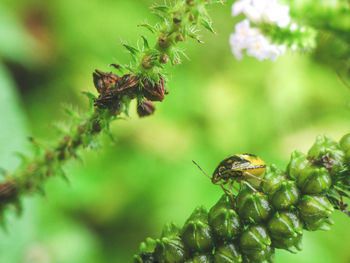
(126,190)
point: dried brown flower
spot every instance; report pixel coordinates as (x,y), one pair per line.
(112,88)
(154,91)
(145,108)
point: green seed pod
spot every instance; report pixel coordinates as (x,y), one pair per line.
(200,259)
(345,142)
(315,212)
(263,256)
(227,253)
(146,251)
(285,196)
(148,246)
(254,239)
(313,180)
(282,193)
(298,162)
(345,145)
(255,244)
(274,178)
(144,258)
(196,233)
(252,207)
(169,248)
(327,153)
(224,220)
(286,231)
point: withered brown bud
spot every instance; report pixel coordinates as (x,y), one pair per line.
(103,80)
(128,86)
(154,91)
(62,155)
(80,129)
(8,191)
(145,108)
(96,127)
(49,156)
(192,18)
(116,66)
(176,20)
(112,88)
(179,38)
(163,41)
(164,58)
(77,141)
(146,62)
(189,2)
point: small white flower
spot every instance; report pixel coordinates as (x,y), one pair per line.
(278,14)
(274,51)
(241,38)
(294,47)
(236,48)
(263,11)
(243,32)
(258,47)
(293,27)
(250,39)
(239,6)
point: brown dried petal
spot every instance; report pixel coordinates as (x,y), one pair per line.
(128,86)
(104,81)
(8,191)
(112,88)
(154,92)
(111,102)
(145,108)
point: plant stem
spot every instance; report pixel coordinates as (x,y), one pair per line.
(143,80)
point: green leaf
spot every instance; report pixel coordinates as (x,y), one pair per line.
(132,50)
(145,42)
(162,8)
(72,113)
(207,24)
(89,95)
(91,98)
(149,27)
(62,174)
(195,37)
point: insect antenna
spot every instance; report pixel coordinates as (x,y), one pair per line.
(200,168)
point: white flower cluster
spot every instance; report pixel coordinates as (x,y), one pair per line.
(251,39)
(257,11)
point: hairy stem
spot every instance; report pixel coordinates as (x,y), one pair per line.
(143,79)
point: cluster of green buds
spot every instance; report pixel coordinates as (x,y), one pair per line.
(251,227)
(144,77)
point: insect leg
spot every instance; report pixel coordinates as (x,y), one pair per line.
(230,188)
(249,185)
(248,174)
(228,193)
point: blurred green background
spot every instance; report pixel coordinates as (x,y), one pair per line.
(127,190)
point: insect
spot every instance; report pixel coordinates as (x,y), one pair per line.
(242,168)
